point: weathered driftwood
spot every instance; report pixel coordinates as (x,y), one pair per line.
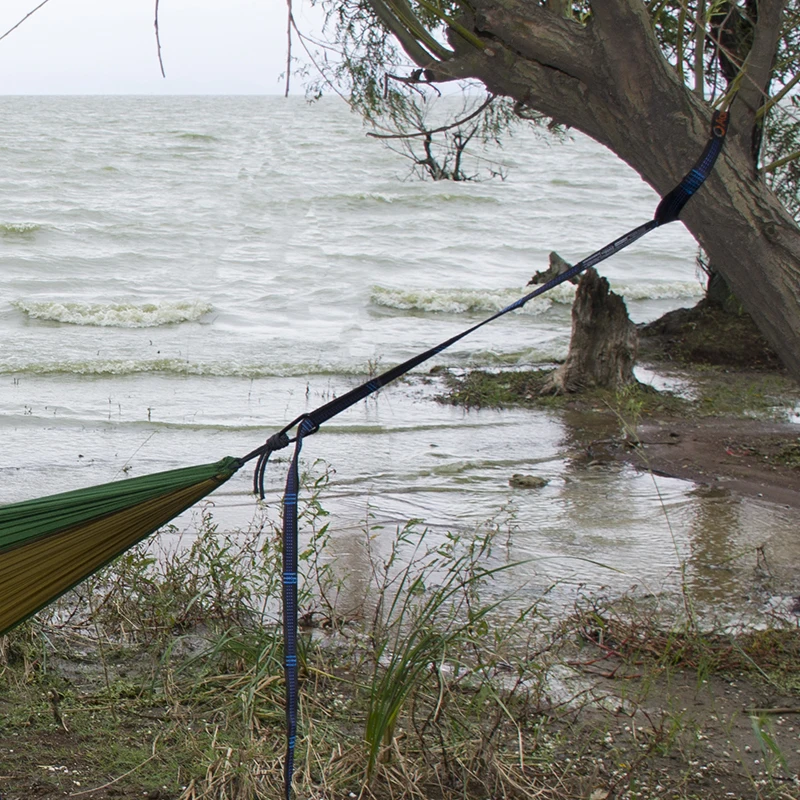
(604,343)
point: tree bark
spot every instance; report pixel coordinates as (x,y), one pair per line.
(609,79)
(604,343)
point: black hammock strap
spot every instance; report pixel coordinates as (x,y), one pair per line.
(667,211)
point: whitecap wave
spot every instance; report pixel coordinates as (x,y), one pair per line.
(476,301)
(115,315)
(463,301)
(176,366)
(666,290)
(18,228)
(545,353)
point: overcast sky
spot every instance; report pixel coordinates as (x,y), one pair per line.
(109,47)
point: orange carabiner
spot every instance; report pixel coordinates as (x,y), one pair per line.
(719,124)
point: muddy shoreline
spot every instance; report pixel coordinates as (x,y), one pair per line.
(752,454)
(724,415)
(740,456)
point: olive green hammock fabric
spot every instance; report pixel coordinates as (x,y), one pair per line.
(49,545)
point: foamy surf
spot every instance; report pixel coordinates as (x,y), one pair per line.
(18,228)
(666,290)
(462,301)
(115,315)
(176,366)
(483,301)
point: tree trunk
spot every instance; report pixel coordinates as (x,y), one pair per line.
(602,350)
(719,294)
(609,79)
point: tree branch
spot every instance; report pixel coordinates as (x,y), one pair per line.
(776,98)
(289,25)
(158,43)
(609,15)
(627,50)
(29,14)
(444,128)
(414,50)
(539,35)
(549,91)
(699,49)
(757,67)
(454,25)
(781,162)
(408,17)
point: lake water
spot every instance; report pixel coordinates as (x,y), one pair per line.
(182,276)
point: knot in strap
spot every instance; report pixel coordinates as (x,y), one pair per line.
(277,441)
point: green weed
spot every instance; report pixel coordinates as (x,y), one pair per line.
(427,684)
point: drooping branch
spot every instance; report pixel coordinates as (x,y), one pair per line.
(443,129)
(29,14)
(158,43)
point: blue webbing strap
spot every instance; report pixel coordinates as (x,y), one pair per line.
(669,208)
(307,424)
(290,607)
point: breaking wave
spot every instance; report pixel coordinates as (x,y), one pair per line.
(176,366)
(672,290)
(18,228)
(115,315)
(467,301)
(462,301)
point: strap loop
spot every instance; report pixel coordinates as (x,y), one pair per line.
(672,204)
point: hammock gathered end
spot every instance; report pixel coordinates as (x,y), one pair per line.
(49,545)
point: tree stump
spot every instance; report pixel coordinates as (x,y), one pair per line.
(557,266)
(602,350)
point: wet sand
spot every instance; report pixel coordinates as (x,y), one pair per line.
(739,455)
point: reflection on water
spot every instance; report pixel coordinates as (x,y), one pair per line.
(596,527)
(716,559)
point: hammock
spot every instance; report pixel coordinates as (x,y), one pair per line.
(49,545)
